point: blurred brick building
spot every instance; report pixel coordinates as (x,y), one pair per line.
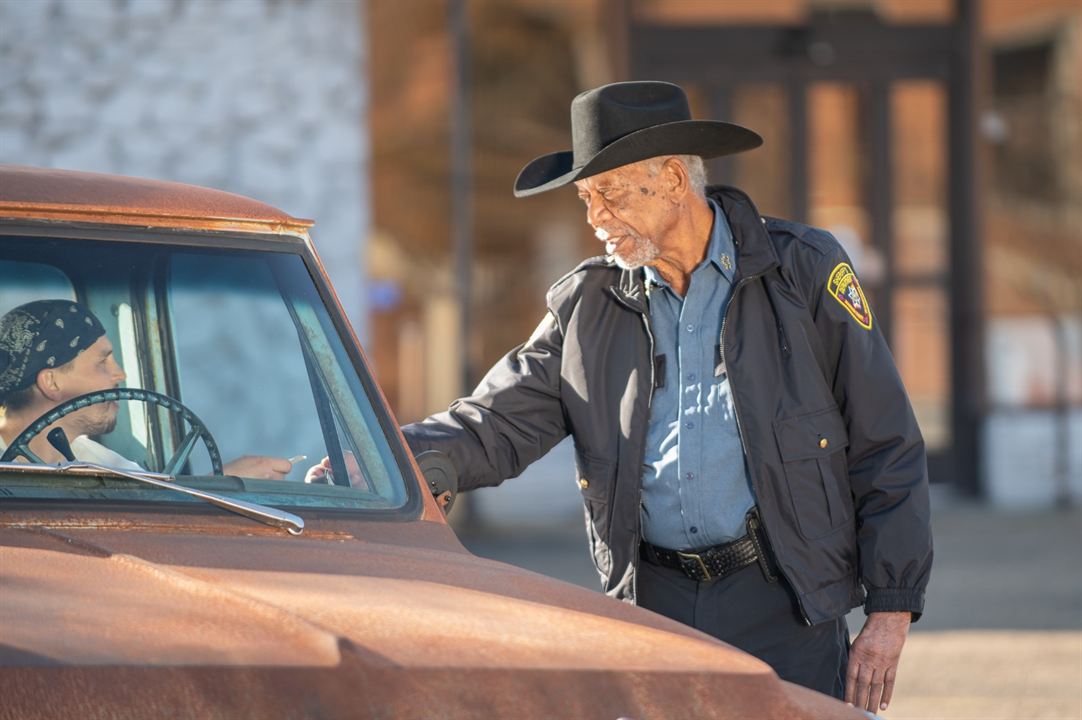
(939,140)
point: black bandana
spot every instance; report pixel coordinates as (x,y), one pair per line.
(42,334)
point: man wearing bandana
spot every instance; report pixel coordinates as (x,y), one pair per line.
(54,350)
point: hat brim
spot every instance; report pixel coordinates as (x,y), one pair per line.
(705,138)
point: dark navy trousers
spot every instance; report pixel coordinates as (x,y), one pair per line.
(758,617)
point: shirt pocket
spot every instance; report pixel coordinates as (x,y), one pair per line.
(812,449)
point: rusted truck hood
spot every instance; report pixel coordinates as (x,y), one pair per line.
(111,621)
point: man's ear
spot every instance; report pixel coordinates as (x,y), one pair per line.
(48,384)
(676,178)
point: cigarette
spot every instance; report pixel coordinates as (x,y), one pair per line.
(297,458)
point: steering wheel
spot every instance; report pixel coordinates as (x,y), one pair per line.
(21,444)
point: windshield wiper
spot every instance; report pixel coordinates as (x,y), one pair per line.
(293,524)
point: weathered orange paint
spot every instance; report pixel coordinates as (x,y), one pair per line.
(66,195)
(351,619)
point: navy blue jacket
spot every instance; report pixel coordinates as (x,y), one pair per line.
(835,455)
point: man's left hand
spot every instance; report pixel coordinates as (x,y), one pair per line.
(873,660)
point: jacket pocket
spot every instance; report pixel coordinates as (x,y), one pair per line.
(596,479)
(812,449)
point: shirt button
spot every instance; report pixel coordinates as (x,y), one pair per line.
(823,443)
(693,529)
(584,483)
(691,476)
(691,328)
(691,376)
(689,425)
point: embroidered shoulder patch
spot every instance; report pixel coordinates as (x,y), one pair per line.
(844,287)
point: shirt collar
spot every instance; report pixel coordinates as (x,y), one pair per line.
(721,251)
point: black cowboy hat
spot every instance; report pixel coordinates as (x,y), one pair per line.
(625,122)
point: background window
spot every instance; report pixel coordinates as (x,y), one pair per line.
(23,282)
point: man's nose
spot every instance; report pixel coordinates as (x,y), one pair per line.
(596,212)
(118,373)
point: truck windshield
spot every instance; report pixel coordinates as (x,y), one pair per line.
(223,366)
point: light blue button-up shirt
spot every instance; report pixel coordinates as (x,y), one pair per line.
(696,488)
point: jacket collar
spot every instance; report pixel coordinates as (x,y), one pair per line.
(631,290)
(755,253)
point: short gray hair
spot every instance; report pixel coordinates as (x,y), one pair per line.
(695,167)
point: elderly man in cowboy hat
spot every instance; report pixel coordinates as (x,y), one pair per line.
(747,455)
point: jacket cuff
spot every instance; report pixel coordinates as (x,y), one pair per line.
(895,600)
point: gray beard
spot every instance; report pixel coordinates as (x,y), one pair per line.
(643,250)
(643,253)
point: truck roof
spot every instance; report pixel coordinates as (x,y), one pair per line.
(85,197)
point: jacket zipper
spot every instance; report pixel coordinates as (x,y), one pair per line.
(740,424)
(645,316)
(642,440)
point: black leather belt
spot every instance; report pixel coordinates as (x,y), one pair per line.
(707,564)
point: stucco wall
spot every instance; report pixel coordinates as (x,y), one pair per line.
(260,97)
(265,98)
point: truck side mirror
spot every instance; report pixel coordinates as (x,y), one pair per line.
(441,476)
